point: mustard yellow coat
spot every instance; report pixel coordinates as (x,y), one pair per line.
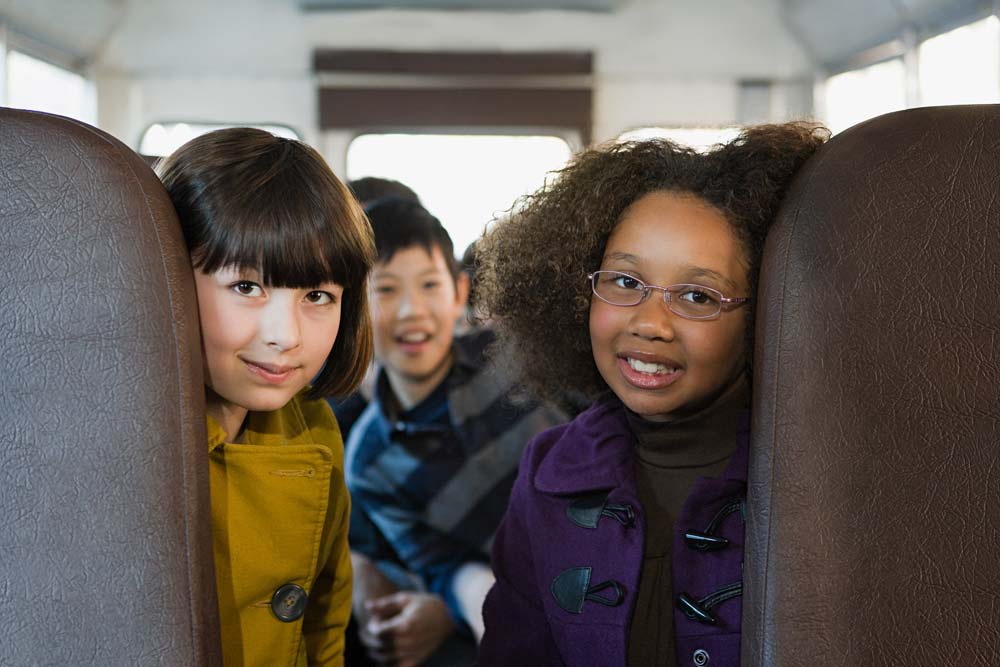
(280,513)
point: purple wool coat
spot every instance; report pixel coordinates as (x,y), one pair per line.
(569,552)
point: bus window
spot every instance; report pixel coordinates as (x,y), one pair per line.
(162,139)
(962,66)
(40,86)
(464,180)
(863,93)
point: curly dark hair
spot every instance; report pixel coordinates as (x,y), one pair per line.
(532,265)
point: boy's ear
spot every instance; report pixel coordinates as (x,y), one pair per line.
(462,288)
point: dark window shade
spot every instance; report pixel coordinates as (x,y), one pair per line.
(493,104)
(452,63)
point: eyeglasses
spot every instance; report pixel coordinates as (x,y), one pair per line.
(694,302)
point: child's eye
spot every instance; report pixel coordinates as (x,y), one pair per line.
(385,290)
(699,297)
(626,281)
(247,288)
(320,298)
(432,284)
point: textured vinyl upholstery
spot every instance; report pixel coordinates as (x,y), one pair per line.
(874,517)
(105,549)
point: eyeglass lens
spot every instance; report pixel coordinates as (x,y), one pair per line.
(621,289)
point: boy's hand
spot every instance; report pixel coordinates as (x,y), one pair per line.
(407,627)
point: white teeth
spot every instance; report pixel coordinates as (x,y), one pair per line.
(414,337)
(643,367)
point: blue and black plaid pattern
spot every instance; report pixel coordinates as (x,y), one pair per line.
(430,485)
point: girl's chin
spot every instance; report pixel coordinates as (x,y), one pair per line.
(264,401)
(650,411)
(273,401)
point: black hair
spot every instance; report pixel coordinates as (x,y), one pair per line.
(400,224)
(371,189)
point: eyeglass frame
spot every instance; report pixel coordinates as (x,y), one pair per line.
(667,300)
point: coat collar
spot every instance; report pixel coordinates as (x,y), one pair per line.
(216,435)
(278,427)
(595,452)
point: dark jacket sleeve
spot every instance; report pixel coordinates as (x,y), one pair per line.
(517,629)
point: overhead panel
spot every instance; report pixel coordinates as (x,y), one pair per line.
(493,5)
(67,34)
(836,33)
(371,90)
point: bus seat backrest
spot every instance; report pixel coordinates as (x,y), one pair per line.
(105,545)
(874,521)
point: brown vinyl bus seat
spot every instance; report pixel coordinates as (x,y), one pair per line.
(105,545)
(873,532)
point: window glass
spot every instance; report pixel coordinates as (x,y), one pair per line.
(39,86)
(962,66)
(164,138)
(464,180)
(864,93)
(699,138)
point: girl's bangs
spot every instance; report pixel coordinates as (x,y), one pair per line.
(288,244)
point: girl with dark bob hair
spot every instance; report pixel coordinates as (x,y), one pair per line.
(281,253)
(630,278)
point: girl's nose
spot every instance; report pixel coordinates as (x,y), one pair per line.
(652,319)
(280,327)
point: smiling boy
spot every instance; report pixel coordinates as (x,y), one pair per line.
(431,461)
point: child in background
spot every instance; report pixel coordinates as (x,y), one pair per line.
(281,253)
(369,191)
(431,461)
(632,278)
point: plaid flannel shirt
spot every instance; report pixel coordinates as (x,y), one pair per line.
(430,485)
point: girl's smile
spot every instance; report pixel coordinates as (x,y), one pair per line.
(660,364)
(649,371)
(270,373)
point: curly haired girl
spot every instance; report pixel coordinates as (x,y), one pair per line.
(631,278)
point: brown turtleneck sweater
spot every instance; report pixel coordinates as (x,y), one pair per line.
(669,457)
